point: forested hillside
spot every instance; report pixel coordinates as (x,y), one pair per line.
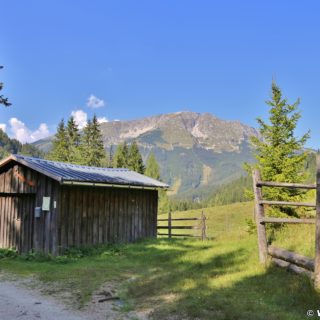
(8,146)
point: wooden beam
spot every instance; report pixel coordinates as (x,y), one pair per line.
(287,220)
(291,267)
(259,216)
(285,185)
(179,235)
(15,194)
(179,227)
(287,203)
(317,238)
(291,257)
(181,219)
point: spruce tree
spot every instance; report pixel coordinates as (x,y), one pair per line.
(121,156)
(73,142)
(152,167)
(98,152)
(280,155)
(60,148)
(86,145)
(135,161)
(92,149)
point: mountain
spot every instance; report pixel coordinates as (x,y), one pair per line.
(196,152)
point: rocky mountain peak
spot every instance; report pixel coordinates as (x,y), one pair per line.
(185,129)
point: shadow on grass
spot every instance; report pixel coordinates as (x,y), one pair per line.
(184,279)
(219,286)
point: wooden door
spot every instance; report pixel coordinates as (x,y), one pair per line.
(16,221)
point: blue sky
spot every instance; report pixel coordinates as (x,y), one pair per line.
(140,58)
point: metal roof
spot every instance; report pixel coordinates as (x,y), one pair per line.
(67,173)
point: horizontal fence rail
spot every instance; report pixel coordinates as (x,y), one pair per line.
(201,226)
(285,185)
(291,257)
(287,203)
(287,220)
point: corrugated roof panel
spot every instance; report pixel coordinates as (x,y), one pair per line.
(75,173)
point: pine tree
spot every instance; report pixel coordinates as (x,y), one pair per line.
(99,158)
(121,156)
(3,100)
(152,167)
(135,161)
(60,148)
(73,142)
(92,149)
(85,145)
(279,153)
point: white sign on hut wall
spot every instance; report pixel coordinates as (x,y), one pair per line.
(46,204)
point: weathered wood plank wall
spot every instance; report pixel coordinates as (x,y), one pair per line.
(94,215)
(21,190)
(82,216)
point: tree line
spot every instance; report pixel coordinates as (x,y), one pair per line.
(87,148)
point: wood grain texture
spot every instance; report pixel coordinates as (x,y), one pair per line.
(259,216)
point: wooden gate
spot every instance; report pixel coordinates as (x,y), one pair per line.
(16,221)
(281,257)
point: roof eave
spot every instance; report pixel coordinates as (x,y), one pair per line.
(110,185)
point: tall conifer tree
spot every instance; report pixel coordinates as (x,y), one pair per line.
(280,155)
(121,156)
(73,141)
(152,167)
(135,161)
(92,149)
(60,148)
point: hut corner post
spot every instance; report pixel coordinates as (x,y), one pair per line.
(259,215)
(317,238)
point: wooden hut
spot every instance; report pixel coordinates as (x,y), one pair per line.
(47,205)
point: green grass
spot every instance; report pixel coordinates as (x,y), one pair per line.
(187,278)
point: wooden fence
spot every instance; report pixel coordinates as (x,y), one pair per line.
(201,225)
(281,257)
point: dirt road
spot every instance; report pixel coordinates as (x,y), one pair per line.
(20,303)
(19,300)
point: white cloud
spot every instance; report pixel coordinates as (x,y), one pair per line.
(94,102)
(102,120)
(80,118)
(40,133)
(22,133)
(3,127)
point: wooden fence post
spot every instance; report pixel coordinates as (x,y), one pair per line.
(317,238)
(169,224)
(203,226)
(259,215)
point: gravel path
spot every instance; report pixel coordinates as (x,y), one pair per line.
(20,303)
(23,299)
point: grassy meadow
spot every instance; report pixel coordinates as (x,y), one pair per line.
(219,278)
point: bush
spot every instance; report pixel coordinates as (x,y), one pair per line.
(8,253)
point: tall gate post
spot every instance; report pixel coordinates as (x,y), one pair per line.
(203,226)
(259,215)
(169,225)
(317,238)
